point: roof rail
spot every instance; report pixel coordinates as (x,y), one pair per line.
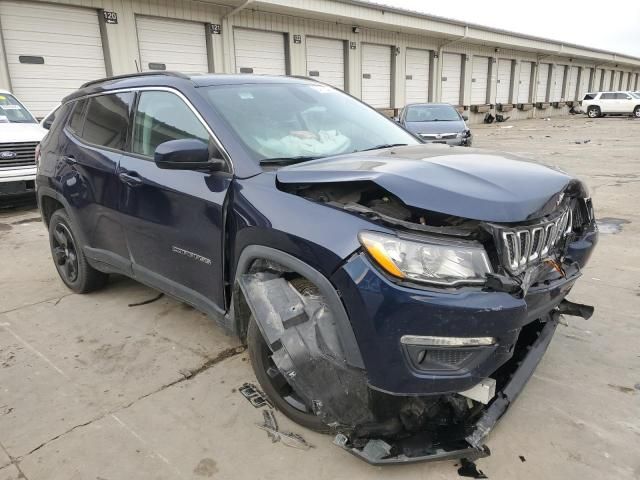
(133,75)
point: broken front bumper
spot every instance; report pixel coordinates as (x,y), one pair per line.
(382,453)
(382,311)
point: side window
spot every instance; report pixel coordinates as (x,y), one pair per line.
(607,96)
(163,116)
(622,96)
(590,96)
(107,120)
(77,117)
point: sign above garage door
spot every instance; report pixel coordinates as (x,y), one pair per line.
(47,60)
(169,44)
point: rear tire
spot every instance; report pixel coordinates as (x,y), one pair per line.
(593,112)
(260,354)
(636,112)
(68,257)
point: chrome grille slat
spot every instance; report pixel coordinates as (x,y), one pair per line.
(524,245)
(25,154)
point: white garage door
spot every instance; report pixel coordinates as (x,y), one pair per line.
(584,82)
(572,84)
(616,80)
(503,81)
(543,82)
(325,60)
(558,81)
(524,82)
(47,58)
(451,73)
(637,82)
(597,81)
(479,80)
(417,76)
(259,52)
(376,75)
(167,44)
(624,82)
(606,80)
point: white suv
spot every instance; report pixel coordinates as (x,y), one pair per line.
(616,103)
(20,133)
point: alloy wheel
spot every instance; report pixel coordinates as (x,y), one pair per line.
(64,253)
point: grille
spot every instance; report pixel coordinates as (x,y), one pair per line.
(24,154)
(523,246)
(438,136)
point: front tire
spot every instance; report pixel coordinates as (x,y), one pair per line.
(275,386)
(593,112)
(68,257)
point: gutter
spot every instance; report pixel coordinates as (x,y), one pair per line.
(237,9)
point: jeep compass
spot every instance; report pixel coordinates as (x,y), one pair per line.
(395,294)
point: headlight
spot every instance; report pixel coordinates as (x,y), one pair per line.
(466,133)
(459,134)
(428,261)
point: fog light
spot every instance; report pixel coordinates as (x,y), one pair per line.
(447,341)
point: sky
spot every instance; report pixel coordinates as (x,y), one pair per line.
(611,26)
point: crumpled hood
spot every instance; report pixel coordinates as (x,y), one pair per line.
(21,132)
(468,183)
(436,127)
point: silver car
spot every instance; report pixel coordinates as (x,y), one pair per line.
(436,123)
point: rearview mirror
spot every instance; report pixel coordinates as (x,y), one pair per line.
(188,154)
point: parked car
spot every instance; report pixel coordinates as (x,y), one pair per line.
(436,123)
(611,103)
(19,136)
(388,292)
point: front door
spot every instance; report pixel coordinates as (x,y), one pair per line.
(173,219)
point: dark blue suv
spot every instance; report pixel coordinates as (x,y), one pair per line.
(396,294)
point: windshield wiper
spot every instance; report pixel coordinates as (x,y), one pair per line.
(287,160)
(380,147)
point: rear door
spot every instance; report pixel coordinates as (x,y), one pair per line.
(168,44)
(173,218)
(96,137)
(325,60)
(417,76)
(451,78)
(524,82)
(479,80)
(376,75)
(259,52)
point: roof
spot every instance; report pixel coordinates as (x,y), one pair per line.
(451,21)
(176,79)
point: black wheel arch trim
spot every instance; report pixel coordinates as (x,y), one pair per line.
(254,252)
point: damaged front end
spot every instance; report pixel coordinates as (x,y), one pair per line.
(446,342)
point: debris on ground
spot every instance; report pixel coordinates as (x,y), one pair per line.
(488,118)
(147,302)
(501,118)
(522,459)
(254,395)
(580,142)
(289,439)
(507,126)
(469,469)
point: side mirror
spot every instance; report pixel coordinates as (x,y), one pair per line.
(465,118)
(396,119)
(46,124)
(188,154)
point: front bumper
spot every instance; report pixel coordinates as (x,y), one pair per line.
(382,311)
(17,181)
(472,446)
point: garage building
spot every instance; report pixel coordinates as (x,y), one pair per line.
(386,56)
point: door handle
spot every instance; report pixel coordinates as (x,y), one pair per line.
(69,159)
(130,178)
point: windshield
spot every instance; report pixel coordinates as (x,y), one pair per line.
(301,121)
(12,111)
(432,113)
(635,94)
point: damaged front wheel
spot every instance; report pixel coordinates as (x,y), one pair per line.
(275,386)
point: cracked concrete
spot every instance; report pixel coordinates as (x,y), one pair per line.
(93,389)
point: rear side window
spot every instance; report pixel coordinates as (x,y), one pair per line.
(608,96)
(590,96)
(107,120)
(77,117)
(163,116)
